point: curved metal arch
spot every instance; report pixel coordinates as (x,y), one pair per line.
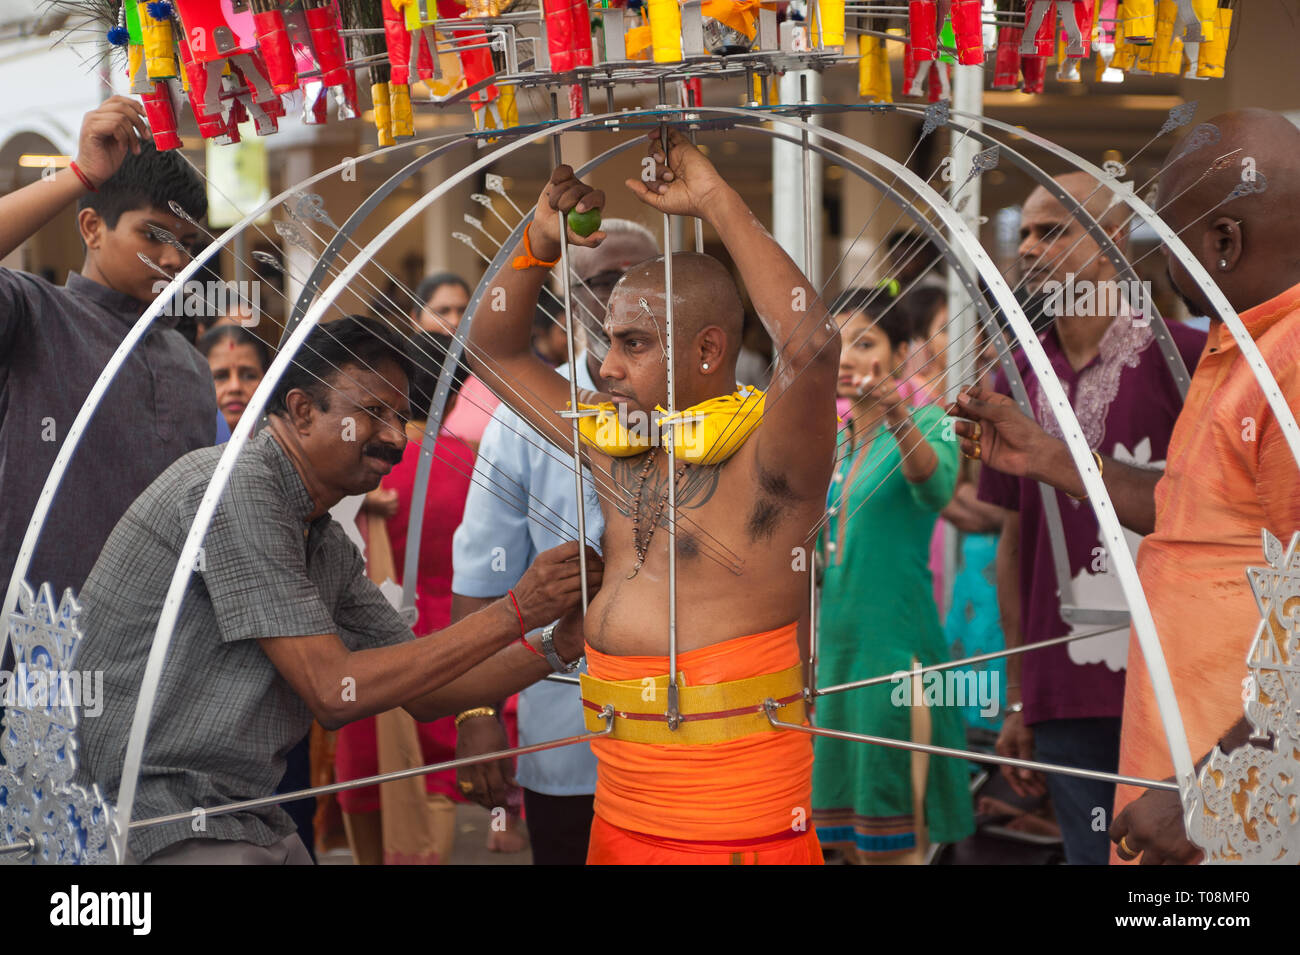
(1000,291)
(1177,367)
(1070,613)
(1143,622)
(216,486)
(1005,348)
(1174,243)
(415,523)
(106,377)
(362,212)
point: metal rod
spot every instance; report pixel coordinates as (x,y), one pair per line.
(21,848)
(699,223)
(573,373)
(674,718)
(607,714)
(981,658)
(805,163)
(772,707)
(812,624)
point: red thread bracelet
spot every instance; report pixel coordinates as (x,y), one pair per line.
(85,180)
(523,636)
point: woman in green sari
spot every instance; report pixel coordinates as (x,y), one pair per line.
(896,469)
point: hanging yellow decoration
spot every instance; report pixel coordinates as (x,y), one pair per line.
(665,30)
(874,80)
(1139,21)
(399,103)
(156,33)
(1214,53)
(383,114)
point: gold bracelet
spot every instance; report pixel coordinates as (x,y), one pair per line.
(477,711)
(1100,471)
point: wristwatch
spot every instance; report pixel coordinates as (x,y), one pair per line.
(553,658)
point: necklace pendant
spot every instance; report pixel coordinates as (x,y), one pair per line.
(635,569)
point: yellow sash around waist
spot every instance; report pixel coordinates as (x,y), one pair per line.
(713,713)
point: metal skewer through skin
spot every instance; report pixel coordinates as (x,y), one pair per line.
(456,349)
(562,214)
(322,269)
(491,486)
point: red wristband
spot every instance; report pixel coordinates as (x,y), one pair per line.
(85,180)
(523,635)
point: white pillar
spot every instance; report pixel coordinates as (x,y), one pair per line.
(298,261)
(789,215)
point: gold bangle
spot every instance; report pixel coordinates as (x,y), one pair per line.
(1100,471)
(477,711)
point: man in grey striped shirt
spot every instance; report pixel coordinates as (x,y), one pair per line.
(279,623)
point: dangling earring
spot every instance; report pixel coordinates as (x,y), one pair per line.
(706,366)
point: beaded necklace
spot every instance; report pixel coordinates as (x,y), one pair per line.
(643,547)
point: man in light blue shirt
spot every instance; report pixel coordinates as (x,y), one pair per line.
(522,502)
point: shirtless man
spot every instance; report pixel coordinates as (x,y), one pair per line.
(718,788)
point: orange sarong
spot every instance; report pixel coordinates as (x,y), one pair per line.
(746,800)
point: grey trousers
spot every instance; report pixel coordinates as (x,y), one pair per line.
(288,851)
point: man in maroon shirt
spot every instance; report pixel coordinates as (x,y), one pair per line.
(1065,701)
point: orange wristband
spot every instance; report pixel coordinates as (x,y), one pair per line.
(528,260)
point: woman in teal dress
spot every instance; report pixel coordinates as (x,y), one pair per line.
(896,469)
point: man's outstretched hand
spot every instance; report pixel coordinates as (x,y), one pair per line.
(998,433)
(682,184)
(564,193)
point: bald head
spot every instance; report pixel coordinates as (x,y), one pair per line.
(704,295)
(708,320)
(1055,245)
(1095,198)
(1235,202)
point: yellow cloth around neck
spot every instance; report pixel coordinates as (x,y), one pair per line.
(708,433)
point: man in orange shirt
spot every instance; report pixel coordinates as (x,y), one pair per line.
(1229,471)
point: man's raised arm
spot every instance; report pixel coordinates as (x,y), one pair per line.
(501,352)
(108,133)
(799,413)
